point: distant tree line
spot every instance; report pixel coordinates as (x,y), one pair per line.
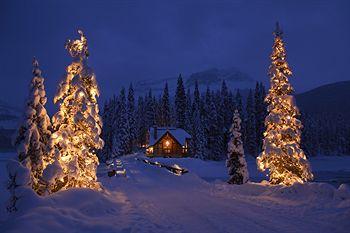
(326,134)
(207,117)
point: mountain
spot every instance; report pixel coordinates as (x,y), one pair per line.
(213,78)
(331,98)
(233,77)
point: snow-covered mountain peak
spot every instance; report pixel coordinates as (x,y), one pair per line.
(213,78)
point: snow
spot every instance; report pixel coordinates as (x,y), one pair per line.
(179,134)
(151,199)
(213,78)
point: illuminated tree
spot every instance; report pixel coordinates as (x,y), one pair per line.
(237,166)
(77,124)
(34,134)
(282,155)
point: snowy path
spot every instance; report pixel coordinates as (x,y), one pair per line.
(188,204)
(152,199)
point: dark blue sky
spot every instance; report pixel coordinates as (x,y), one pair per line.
(134,40)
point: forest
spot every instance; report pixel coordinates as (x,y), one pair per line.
(207,116)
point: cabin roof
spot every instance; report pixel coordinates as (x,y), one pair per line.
(179,134)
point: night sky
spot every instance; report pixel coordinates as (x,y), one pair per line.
(135,40)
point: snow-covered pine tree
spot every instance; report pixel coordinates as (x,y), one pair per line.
(172,113)
(214,133)
(341,129)
(166,118)
(150,110)
(19,178)
(77,124)
(238,102)
(188,114)
(158,110)
(131,118)
(198,143)
(107,131)
(310,143)
(196,97)
(225,106)
(122,134)
(250,128)
(180,104)
(222,139)
(34,133)
(141,122)
(282,155)
(232,104)
(236,163)
(260,114)
(206,99)
(326,134)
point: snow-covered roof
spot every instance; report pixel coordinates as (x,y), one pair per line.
(179,134)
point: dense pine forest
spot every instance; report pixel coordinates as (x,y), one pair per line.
(207,116)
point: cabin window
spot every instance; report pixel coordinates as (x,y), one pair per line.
(149,150)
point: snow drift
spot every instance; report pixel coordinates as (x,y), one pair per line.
(152,199)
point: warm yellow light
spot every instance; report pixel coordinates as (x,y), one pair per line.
(167,143)
(282,156)
(149,150)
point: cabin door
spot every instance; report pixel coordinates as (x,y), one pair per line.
(167,145)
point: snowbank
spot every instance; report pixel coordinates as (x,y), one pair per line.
(151,199)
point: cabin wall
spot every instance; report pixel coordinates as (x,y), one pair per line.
(167,146)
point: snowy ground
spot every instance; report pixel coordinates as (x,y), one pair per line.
(151,199)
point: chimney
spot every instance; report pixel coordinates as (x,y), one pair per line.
(155,132)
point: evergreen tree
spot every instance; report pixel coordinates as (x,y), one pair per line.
(214,133)
(206,110)
(225,106)
(250,131)
(282,155)
(231,106)
(341,133)
(122,134)
(222,131)
(180,104)
(107,132)
(198,143)
(158,110)
(150,110)
(236,163)
(259,107)
(77,124)
(238,102)
(141,122)
(188,115)
(309,140)
(34,133)
(196,97)
(165,107)
(19,178)
(131,118)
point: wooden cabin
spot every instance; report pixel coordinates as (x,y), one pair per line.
(167,142)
